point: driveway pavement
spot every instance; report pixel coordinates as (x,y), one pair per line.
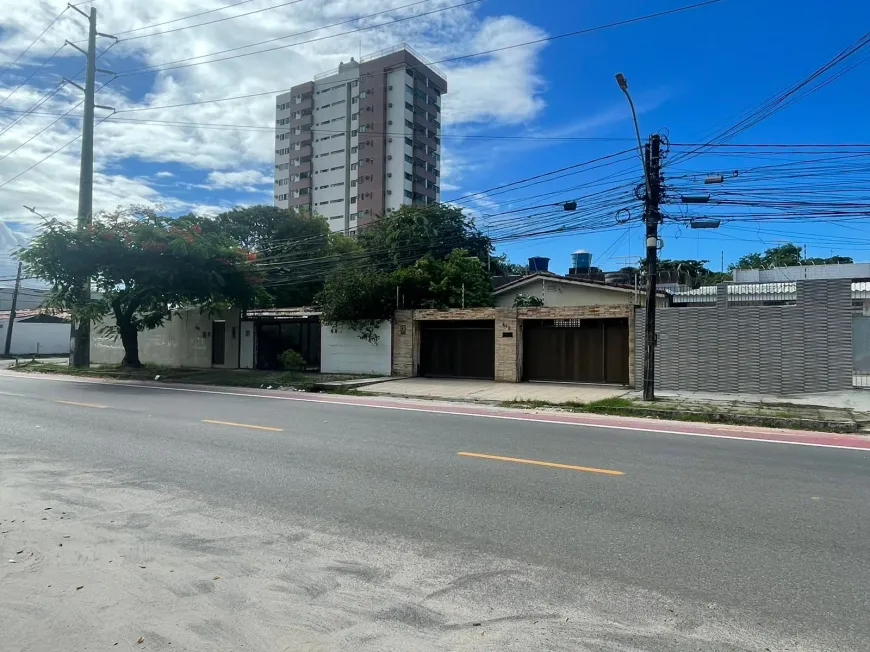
(491,391)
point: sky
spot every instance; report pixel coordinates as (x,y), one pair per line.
(508,116)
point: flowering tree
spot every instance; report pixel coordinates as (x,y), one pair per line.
(142,267)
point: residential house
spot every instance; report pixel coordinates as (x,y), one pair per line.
(36,332)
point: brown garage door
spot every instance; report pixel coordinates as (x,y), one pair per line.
(576,350)
(457,349)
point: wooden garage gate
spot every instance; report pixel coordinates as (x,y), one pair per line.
(576,350)
(457,349)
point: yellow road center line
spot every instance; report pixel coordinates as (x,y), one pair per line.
(540,463)
(90,405)
(243,425)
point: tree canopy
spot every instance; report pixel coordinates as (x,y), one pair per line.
(416,257)
(295,250)
(142,267)
(786,255)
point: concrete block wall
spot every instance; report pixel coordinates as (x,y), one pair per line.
(806,347)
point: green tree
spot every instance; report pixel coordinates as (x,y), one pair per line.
(782,256)
(786,255)
(412,232)
(142,266)
(360,296)
(502,266)
(296,250)
(456,281)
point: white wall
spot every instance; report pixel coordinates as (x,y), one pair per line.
(344,351)
(30,338)
(183,341)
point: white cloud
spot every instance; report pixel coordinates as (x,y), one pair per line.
(246,180)
(503,88)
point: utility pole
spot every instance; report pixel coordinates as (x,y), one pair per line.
(652,217)
(8,346)
(80,330)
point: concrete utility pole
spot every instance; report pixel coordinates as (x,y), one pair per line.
(650,157)
(8,346)
(80,331)
(651,218)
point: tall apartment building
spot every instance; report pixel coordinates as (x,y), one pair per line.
(362,140)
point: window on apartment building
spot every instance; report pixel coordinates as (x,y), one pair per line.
(324,203)
(409,124)
(337,151)
(409,141)
(355,82)
(353,183)
(353,134)
(409,159)
(408,176)
(409,194)
(409,106)
(354,99)
(354,149)
(355,116)
(353,166)
(410,72)
(338,167)
(353,200)
(337,136)
(336,185)
(336,201)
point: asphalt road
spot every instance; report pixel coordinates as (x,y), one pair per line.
(776,536)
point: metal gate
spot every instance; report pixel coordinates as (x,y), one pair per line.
(457,349)
(576,350)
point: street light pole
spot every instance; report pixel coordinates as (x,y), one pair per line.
(650,157)
(623,84)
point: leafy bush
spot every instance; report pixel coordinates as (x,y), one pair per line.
(291,360)
(527,301)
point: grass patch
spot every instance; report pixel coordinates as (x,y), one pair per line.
(307,381)
(699,413)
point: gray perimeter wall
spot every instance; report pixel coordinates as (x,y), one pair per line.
(805,347)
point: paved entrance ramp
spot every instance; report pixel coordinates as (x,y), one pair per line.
(490,391)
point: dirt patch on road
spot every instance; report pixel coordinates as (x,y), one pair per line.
(96,561)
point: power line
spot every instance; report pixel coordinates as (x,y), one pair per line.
(32,43)
(211,22)
(153,67)
(31,75)
(538,176)
(446,60)
(784,98)
(175,20)
(259,128)
(43,160)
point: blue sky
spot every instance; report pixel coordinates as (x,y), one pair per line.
(688,73)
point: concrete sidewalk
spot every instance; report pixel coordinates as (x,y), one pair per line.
(491,391)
